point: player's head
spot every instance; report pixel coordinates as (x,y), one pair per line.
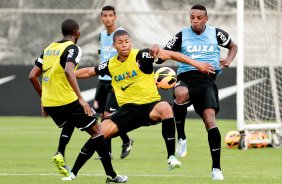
(108,16)
(198,18)
(70,28)
(122,42)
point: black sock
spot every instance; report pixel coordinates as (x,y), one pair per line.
(103,151)
(86,152)
(215,146)
(99,144)
(124,137)
(168,131)
(180,112)
(65,138)
(109,143)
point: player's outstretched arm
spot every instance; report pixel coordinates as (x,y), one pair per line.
(85,72)
(202,67)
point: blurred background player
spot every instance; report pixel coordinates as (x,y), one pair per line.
(105,101)
(62,100)
(136,91)
(200,42)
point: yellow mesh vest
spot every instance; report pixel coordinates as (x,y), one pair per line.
(56,90)
(130,84)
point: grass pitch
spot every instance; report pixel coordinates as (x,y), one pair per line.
(28,143)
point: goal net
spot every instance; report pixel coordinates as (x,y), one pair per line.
(259,67)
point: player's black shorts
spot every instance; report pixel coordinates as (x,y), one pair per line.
(71,115)
(203,92)
(105,97)
(131,116)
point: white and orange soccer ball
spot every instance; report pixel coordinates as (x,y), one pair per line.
(165,78)
(232,139)
(257,139)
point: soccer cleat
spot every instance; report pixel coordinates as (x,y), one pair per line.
(59,161)
(117,179)
(70,177)
(217,174)
(173,162)
(181,148)
(126,149)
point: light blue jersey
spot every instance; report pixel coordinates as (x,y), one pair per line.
(203,48)
(107,51)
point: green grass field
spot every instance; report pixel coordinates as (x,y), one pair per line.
(28,143)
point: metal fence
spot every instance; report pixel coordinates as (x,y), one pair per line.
(28,26)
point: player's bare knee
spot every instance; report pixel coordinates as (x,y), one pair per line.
(181,96)
(96,134)
(165,110)
(209,119)
(209,122)
(95,130)
(109,128)
(180,100)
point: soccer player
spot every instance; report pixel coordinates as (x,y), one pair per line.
(136,92)
(105,101)
(200,42)
(61,98)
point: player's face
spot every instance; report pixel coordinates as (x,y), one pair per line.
(198,20)
(123,45)
(108,18)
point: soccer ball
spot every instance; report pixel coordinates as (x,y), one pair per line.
(232,139)
(165,78)
(257,139)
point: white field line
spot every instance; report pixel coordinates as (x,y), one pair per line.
(138,175)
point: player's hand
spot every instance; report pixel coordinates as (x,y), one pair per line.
(43,112)
(87,109)
(154,51)
(224,63)
(206,68)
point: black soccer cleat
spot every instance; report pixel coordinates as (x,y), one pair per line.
(126,149)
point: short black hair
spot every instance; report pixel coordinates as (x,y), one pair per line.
(69,27)
(120,33)
(108,8)
(200,7)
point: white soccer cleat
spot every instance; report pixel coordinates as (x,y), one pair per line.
(117,179)
(181,148)
(69,178)
(173,162)
(217,174)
